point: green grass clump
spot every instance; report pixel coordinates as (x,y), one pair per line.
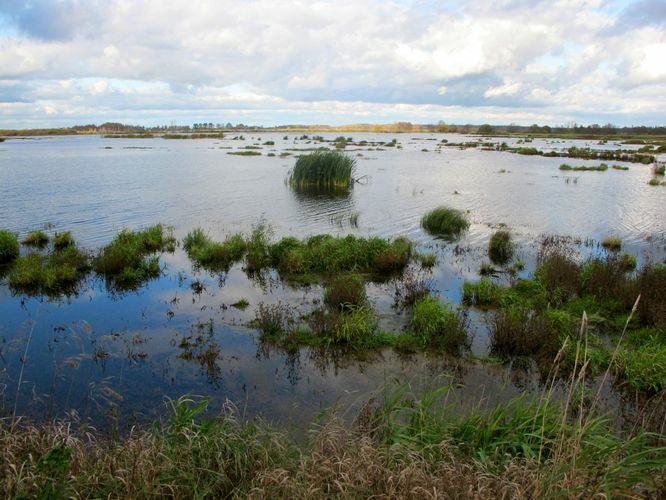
(659,169)
(445,221)
(244,153)
(355,326)
(599,168)
(612,243)
(213,255)
(651,284)
(484,292)
(436,325)
(644,368)
(501,247)
(323,170)
(127,261)
(58,272)
(518,331)
(326,254)
(62,240)
(241,304)
(619,167)
(9,246)
(345,292)
(36,239)
(527,151)
(427,260)
(258,248)
(655,181)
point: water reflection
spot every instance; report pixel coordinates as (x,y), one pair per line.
(335,207)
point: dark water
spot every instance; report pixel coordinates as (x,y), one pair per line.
(109,356)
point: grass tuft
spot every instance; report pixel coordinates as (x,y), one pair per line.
(58,272)
(36,239)
(612,243)
(127,262)
(213,255)
(323,170)
(445,221)
(501,247)
(345,292)
(437,326)
(9,246)
(63,240)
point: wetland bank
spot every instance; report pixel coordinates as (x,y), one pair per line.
(440,293)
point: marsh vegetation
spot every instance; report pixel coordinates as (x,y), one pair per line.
(327,170)
(445,221)
(325,300)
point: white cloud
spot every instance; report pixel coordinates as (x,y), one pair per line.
(414,60)
(509,88)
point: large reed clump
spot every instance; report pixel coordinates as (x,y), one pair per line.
(128,260)
(9,246)
(326,170)
(445,221)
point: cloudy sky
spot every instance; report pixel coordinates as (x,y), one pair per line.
(65,62)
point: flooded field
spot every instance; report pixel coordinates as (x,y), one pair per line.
(115,355)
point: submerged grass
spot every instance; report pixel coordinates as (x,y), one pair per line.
(445,221)
(323,170)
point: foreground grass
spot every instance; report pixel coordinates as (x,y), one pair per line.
(404,446)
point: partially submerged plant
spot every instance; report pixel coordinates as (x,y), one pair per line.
(501,247)
(62,240)
(36,239)
(127,261)
(323,170)
(345,292)
(445,221)
(436,325)
(9,246)
(58,272)
(211,254)
(612,243)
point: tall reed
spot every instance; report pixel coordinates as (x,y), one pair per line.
(323,170)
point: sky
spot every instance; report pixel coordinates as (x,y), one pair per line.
(271,62)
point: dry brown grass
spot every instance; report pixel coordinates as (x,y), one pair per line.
(346,464)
